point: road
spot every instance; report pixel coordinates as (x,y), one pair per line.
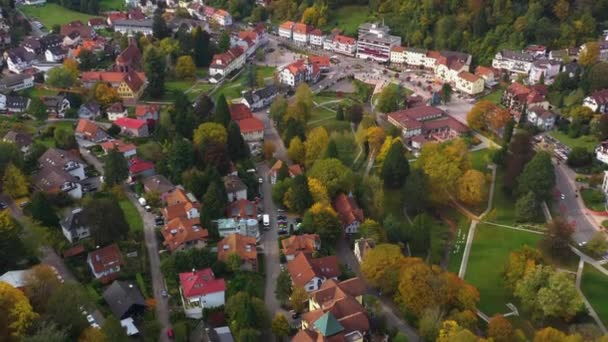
(572,207)
(158,282)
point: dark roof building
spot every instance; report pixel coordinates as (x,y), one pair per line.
(124,299)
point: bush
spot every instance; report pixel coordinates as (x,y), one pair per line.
(579,157)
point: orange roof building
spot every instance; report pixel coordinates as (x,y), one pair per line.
(306,243)
(182,221)
(349,212)
(243,246)
(310,273)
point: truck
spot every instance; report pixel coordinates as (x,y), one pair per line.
(266,221)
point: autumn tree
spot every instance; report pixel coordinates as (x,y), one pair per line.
(322,219)
(14,182)
(389,99)
(315,144)
(550,334)
(472,187)
(296,151)
(589,54)
(280,326)
(452,332)
(477,117)
(209,133)
(375,136)
(318,191)
(372,230)
(40,283)
(598,244)
(234,262)
(298,299)
(16,311)
(268,150)
(334,176)
(381,267)
(298,198)
(395,167)
(246,313)
(561,10)
(521,261)
(184,67)
(105,94)
(500,329)
(91,334)
(60,77)
(557,239)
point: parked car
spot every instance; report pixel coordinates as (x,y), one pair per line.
(163,293)
(3,206)
(170,333)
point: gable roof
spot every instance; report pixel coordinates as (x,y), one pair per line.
(158,183)
(242,245)
(328,325)
(87,128)
(465,75)
(304,268)
(57,158)
(332,291)
(20,139)
(200,283)
(251,125)
(138,165)
(76,218)
(143,109)
(117,144)
(234,183)
(348,210)
(121,296)
(130,123)
(242,208)
(239,111)
(105,258)
(306,243)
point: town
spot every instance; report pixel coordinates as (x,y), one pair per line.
(295,171)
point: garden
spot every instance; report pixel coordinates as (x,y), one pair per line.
(594,199)
(51,14)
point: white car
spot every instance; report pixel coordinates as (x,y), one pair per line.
(563,197)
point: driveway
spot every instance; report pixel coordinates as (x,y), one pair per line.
(158,281)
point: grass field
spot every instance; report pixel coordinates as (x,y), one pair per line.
(495,95)
(594,285)
(320,113)
(460,237)
(107,5)
(587,141)
(594,199)
(503,206)
(348,18)
(480,159)
(489,255)
(332,125)
(132,215)
(53,14)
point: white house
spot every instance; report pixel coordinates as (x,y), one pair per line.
(316,37)
(75,227)
(397,55)
(19,59)
(469,84)
(299,71)
(341,44)
(597,101)
(235,188)
(105,263)
(222,17)
(117,111)
(601,153)
(414,56)
(200,290)
(541,118)
(224,63)
(301,33)
(16,82)
(133,26)
(286,29)
(513,62)
(54,54)
(547,67)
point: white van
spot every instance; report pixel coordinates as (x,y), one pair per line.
(266,221)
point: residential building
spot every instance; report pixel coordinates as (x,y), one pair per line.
(129,59)
(245,227)
(39,45)
(223,334)
(322,62)
(17,104)
(425,123)
(129,85)
(117,111)
(604,187)
(224,64)
(222,17)
(542,118)
(235,188)
(513,61)
(74,226)
(124,299)
(55,54)
(341,44)
(105,263)
(490,76)
(564,55)
(133,26)
(21,139)
(362,246)
(139,168)
(158,184)
(34,2)
(252,130)
(286,29)
(293,170)
(597,101)
(18,82)
(17,279)
(182,227)
(316,38)
(200,290)
(310,273)
(397,55)
(336,312)
(77,29)
(305,243)
(56,106)
(517,97)
(375,42)
(301,33)
(349,213)
(132,127)
(147,112)
(242,208)
(260,98)
(450,64)
(114,17)
(299,71)
(128,150)
(544,69)
(89,110)
(90,131)
(538,51)
(19,59)
(97,23)
(59,171)
(415,56)
(469,84)
(601,154)
(241,245)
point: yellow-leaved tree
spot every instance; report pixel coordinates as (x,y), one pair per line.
(16,312)
(14,182)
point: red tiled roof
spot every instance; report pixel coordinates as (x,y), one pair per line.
(250,125)
(130,123)
(96,21)
(433,54)
(227,57)
(141,109)
(348,210)
(321,61)
(468,76)
(182,230)
(316,32)
(248,34)
(304,268)
(242,208)
(288,25)
(133,79)
(345,39)
(114,16)
(116,107)
(105,258)
(398,48)
(301,28)
(200,283)
(305,243)
(482,70)
(242,245)
(131,54)
(239,111)
(87,127)
(137,165)
(117,144)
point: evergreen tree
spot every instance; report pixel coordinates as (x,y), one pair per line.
(106,220)
(41,210)
(116,168)
(237,148)
(538,177)
(214,201)
(154,66)
(159,26)
(332,150)
(202,48)
(222,112)
(224,42)
(180,159)
(340,113)
(395,167)
(298,197)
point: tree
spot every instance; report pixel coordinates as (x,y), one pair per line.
(416,197)
(395,167)
(316,144)
(600,127)
(202,48)
(16,311)
(277,109)
(155,67)
(561,9)
(477,117)
(268,150)
(354,113)
(296,151)
(283,289)
(159,26)
(340,113)
(597,77)
(41,210)
(334,176)
(91,334)
(47,331)
(598,244)
(234,262)
(224,41)
(250,75)
(370,193)
(222,112)
(558,237)
(40,283)
(579,157)
(116,168)
(12,250)
(215,200)
(550,334)
(372,230)
(38,109)
(106,220)
(538,176)
(527,208)
(246,312)
(87,60)
(209,133)
(298,298)
(560,297)
(446,93)
(471,187)
(14,182)
(298,198)
(381,267)
(179,159)
(375,137)
(389,99)
(322,219)
(452,332)
(60,77)
(169,47)
(318,191)
(589,54)
(185,68)
(520,262)
(64,138)
(237,147)
(500,329)
(105,94)
(280,326)
(444,165)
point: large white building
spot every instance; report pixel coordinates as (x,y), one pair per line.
(513,61)
(130,26)
(341,44)
(375,42)
(298,72)
(224,63)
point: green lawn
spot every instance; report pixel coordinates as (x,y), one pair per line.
(587,141)
(494,96)
(460,237)
(332,125)
(53,14)
(594,285)
(503,206)
(132,215)
(107,5)
(321,113)
(266,71)
(594,199)
(489,255)
(348,18)
(480,159)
